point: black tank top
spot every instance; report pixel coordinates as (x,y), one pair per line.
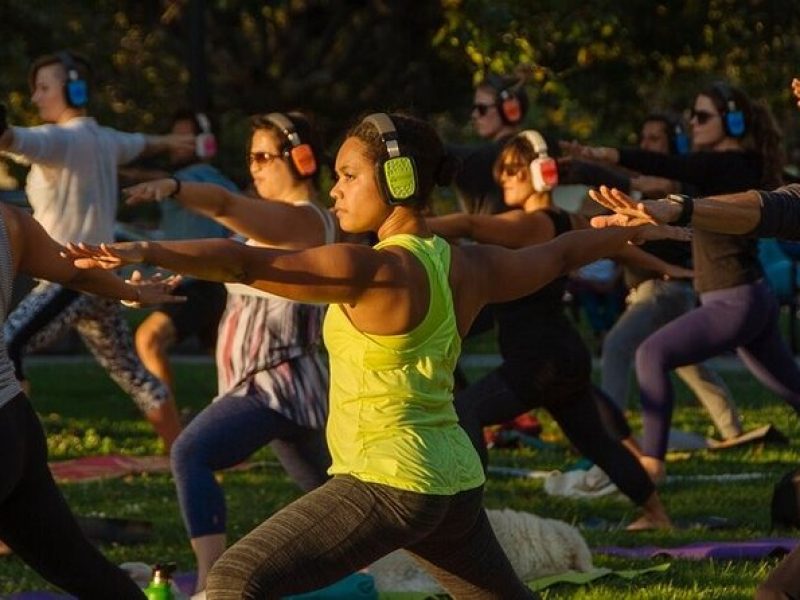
(550,298)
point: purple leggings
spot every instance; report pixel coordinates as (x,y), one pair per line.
(744,318)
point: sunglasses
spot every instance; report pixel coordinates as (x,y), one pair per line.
(482,109)
(262,158)
(702,116)
(511,169)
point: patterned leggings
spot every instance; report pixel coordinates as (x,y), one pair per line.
(347,524)
(50,310)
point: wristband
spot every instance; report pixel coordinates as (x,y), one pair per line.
(687,208)
(177,185)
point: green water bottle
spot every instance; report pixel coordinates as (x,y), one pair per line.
(160,588)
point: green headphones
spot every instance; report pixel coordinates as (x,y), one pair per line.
(397,174)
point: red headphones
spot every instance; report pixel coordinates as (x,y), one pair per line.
(544,169)
(299,154)
(509,106)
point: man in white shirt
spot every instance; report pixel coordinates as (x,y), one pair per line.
(72,188)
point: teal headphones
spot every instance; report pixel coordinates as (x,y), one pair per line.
(397,174)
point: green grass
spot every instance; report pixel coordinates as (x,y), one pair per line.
(84,414)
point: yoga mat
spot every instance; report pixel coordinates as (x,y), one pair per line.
(737,550)
(93,468)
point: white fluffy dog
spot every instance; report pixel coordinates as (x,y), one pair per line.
(535,546)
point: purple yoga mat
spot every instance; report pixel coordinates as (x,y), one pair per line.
(749,549)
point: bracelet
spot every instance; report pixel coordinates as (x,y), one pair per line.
(177,185)
(133,303)
(687,208)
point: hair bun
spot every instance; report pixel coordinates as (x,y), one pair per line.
(446,170)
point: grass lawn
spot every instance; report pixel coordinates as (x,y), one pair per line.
(85,414)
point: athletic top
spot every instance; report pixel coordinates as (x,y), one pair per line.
(9,386)
(548,299)
(720,261)
(72,184)
(780,213)
(392,419)
(259,331)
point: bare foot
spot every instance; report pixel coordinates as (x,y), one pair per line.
(649,522)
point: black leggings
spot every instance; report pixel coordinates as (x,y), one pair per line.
(551,368)
(346,524)
(37,524)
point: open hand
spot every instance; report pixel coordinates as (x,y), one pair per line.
(104,256)
(796,89)
(149,191)
(153,290)
(638,213)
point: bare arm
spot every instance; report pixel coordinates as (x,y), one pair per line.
(505,275)
(267,221)
(38,255)
(732,213)
(333,274)
(512,229)
(155,144)
(633,256)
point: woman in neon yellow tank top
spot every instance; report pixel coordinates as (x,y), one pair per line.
(405,474)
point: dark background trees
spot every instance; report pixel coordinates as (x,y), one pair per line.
(596,66)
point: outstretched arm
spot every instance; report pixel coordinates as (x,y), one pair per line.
(739,213)
(267,221)
(333,274)
(512,229)
(38,255)
(510,274)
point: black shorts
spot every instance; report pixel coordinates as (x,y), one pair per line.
(200,314)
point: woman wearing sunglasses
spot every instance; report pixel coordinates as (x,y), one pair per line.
(272,382)
(737,146)
(545,361)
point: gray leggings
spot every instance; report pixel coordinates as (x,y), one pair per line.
(346,524)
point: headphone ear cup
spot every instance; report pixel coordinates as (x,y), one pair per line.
(510,109)
(398,176)
(544,174)
(76,93)
(205,145)
(303,159)
(734,123)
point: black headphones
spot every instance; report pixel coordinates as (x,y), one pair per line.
(299,154)
(397,174)
(76,89)
(732,116)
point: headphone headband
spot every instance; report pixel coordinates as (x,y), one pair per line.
(383,123)
(285,124)
(203,122)
(536,140)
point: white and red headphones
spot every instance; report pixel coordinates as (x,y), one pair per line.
(544,170)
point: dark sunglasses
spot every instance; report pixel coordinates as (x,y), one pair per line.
(702,116)
(261,158)
(482,109)
(511,169)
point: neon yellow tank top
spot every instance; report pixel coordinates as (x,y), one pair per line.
(392,419)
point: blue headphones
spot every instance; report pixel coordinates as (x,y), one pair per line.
(733,117)
(76,89)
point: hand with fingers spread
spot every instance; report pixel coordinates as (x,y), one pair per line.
(151,191)
(796,89)
(104,256)
(153,290)
(637,213)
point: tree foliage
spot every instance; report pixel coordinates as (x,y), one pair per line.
(595,67)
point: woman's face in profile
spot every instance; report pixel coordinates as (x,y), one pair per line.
(358,203)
